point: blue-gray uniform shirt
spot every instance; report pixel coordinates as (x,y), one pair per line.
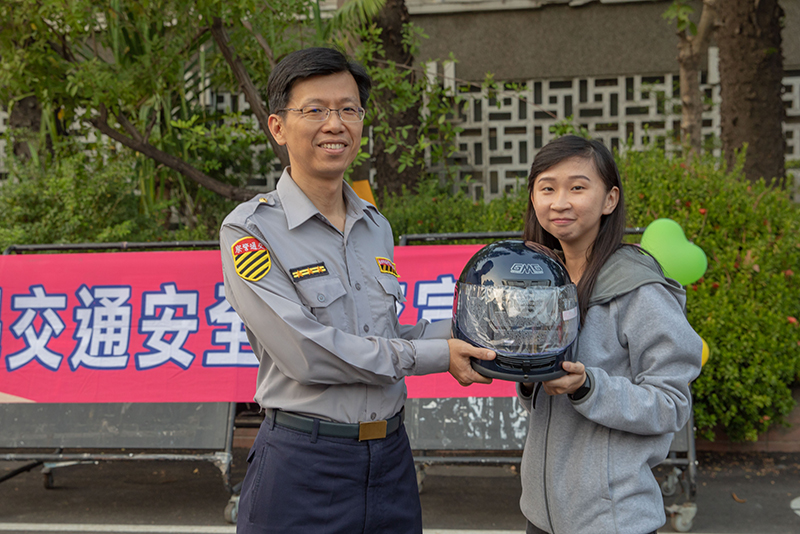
(319,307)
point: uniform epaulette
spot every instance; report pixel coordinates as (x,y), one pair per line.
(260,201)
(265,199)
(247,208)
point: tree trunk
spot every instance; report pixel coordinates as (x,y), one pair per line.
(690,53)
(387,178)
(691,101)
(751,76)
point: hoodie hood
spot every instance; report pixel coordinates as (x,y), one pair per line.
(627,269)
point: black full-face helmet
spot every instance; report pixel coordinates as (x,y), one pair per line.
(516,298)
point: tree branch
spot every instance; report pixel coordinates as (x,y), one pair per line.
(231,192)
(247,87)
(130,128)
(705,27)
(63,49)
(262,42)
(150,125)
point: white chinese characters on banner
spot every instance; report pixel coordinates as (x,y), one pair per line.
(156,326)
(104,320)
(434,299)
(168,317)
(104,327)
(37,303)
(233,337)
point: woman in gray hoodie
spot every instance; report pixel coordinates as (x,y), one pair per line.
(599,430)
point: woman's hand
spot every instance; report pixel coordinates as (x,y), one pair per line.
(570,382)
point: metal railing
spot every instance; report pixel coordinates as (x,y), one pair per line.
(405,239)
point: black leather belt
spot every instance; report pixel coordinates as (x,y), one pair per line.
(360,431)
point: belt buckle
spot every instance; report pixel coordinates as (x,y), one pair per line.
(371,430)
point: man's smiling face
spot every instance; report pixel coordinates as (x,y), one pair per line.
(320,150)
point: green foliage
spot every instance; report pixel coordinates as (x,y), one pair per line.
(680,12)
(746,306)
(152,75)
(567,126)
(434,209)
(134,60)
(73,196)
(435,140)
(349,16)
(149,68)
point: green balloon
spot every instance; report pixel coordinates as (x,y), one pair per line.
(681,260)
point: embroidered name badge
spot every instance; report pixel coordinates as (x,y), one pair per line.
(251,259)
(387,266)
(309,271)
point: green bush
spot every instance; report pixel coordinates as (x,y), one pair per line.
(71,197)
(434,209)
(747,304)
(80,192)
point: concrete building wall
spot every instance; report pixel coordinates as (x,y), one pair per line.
(791,34)
(559,40)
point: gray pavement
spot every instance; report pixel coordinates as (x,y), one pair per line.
(736,494)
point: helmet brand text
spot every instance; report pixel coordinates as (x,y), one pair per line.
(526,268)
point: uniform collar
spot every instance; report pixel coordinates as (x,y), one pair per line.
(356,206)
(303,209)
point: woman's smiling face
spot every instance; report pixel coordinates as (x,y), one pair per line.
(569,199)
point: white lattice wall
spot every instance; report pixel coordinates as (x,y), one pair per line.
(791,125)
(502,135)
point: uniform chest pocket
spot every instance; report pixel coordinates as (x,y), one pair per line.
(391,287)
(324,297)
(386,305)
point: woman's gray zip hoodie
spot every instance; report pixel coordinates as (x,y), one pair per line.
(587,464)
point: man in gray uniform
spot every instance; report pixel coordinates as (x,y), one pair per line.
(308,267)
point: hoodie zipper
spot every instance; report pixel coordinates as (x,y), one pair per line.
(546,446)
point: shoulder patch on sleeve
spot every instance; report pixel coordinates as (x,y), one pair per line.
(387,266)
(250,258)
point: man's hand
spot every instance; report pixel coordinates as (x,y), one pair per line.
(570,382)
(460,368)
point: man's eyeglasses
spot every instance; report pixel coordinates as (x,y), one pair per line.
(320,113)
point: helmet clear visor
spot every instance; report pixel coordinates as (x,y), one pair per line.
(519,320)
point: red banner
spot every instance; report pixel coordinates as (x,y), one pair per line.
(155,327)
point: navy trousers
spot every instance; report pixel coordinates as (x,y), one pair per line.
(297,483)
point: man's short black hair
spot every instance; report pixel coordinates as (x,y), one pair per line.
(312,62)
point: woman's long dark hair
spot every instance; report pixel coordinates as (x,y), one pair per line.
(612,226)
